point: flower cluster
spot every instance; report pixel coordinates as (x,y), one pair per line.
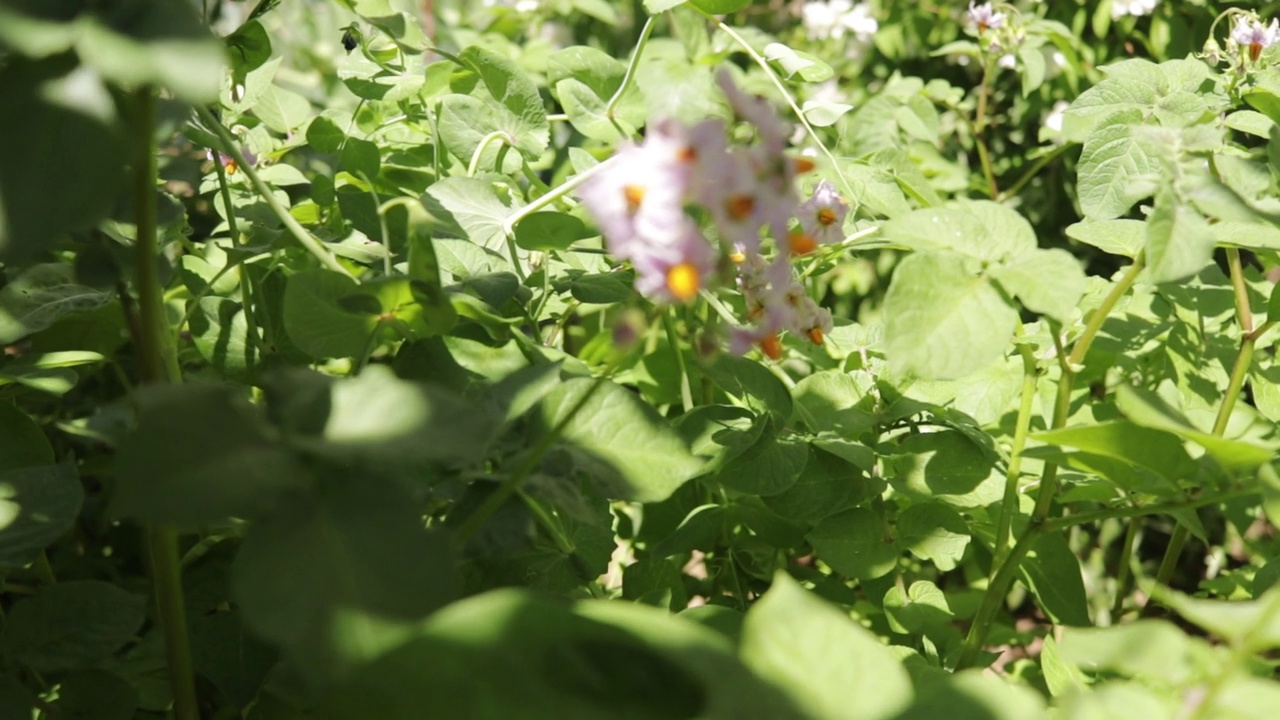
(1254,37)
(1136,8)
(646,197)
(833,18)
(984,17)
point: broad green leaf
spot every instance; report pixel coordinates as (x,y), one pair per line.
(1150,410)
(621,442)
(323,135)
(220,332)
(38,503)
(1180,241)
(720,7)
(1118,700)
(822,113)
(1118,237)
(233,659)
(751,382)
(71,625)
(974,228)
(1156,450)
(509,653)
(718,433)
(22,442)
(1052,572)
(922,608)
(1147,649)
(469,208)
(949,467)
(525,117)
(855,543)
(655,581)
(65,174)
(355,546)
(95,695)
(657,6)
(360,158)
(1253,625)
(973,695)
(679,89)
(601,288)
(1132,90)
(827,485)
(426,285)
(1060,675)
(768,467)
(941,320)
(282,110)
(1115,169)
(1050,282)
(328,315)
(550,231)
(795,63)
(199,454)
(933,532)
(831,400)
(377,417)
(831,666)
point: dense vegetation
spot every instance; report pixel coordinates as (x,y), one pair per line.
(664,359)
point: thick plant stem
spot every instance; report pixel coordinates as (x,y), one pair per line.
(1038,524)
(158,363)
(1244,360)
(1122,573)
(1009,507)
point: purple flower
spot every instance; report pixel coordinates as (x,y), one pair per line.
(1252,34)
(984,17)
(822,215)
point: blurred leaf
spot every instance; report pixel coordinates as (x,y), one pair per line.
(827,663)
(853,543)
(933,532)
(38,503)
(1115,169)
(1052,572)
(550,231)
(71,625)
(95,695)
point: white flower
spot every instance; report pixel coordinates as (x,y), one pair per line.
(1053,120)
(984,17)
(1007,61)
(822,215)
(833,19)
(1252,34)
(1136,8)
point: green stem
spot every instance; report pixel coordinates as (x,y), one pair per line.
(474,165)
(44,570)
(611,107)
(980,126)
(1099,316)
(1032,171)
(304,238)
(1133,511)
(1122,573)
(158,363)
(686,392)
(777,82)
(233,224)
(564,188)
(1022,427)
(495,500)
(548,523)
(1169,563)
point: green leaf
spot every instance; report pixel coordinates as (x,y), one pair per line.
(281,110)
(978,229)
(621,442)
(22,442)
(360,158)
(550,231)
(768,467)
(1253,625)
(753,383)
(588,112)
(1049,282)
(525,117)
(1052,572)
(658,6)
(1147,649)
(1180,241)
(601,288)
(720,7)
(1060,675)
(1118,237)
(1150,410)
(470,209)
(794,63)
(853,543)
(1159,451)
(718,433)
(220,332)
(41,296)
(71,625)
(426,285)
(323,135)
(947,466)
(232,658)
(199,454)
(37,505)
(827,485)
(831,400)
(831,666)
(323,320)
(921,609)
(510,653)
(1130,87)
(1115,170)
(356,546)
(65,174)
(933,532)
(941,320)
(973,695)
(95,695)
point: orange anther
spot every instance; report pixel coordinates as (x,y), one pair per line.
(634,195)
(771,347)
(803,164)
(801,244)
(815,334)
(740,206)
(827,216)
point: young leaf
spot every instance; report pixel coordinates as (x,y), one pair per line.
(71,625)
(1115,169)
(831,666)
(1179,240)
(1050,282)
(941,320)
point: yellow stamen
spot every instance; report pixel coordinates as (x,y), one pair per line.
(771,347)
(815,334)
(687,154)
(683,281)
(232,167)
(826,216)
(737,258)
(634,195)
(801,244)
(803,164)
